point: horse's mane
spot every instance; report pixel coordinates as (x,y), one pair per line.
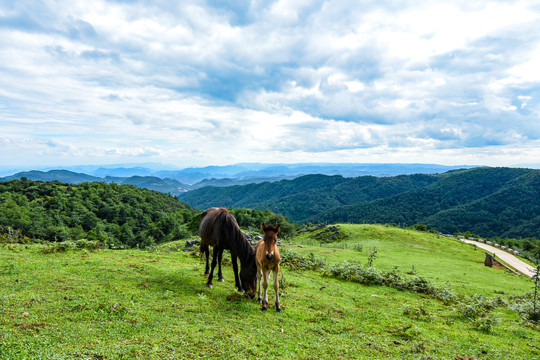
(238,241)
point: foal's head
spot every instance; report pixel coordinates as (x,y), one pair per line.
(270,237)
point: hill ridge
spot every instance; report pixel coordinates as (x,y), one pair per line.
(404,199)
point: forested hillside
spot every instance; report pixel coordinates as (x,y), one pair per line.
(306,196)
(485,201)
(118,215)
(512,211)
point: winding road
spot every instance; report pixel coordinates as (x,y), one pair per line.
(505,257)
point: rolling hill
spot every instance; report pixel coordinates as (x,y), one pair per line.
(485,201)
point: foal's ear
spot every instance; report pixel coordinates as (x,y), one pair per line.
(263,227)
(278,228)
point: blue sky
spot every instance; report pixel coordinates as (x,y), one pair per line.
(194,83)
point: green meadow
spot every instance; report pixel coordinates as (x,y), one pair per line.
(152,304)
(441,259)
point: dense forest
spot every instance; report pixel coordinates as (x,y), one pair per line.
(489,202)
(307,196)
(118,216)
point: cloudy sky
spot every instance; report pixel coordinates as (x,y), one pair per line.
(220,82)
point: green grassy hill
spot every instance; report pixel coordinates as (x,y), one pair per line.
(445,261)
(106,304)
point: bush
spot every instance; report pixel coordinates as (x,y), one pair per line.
(420,285)
(356,272)
(486,324)
(8,235)
(524,306)
(91,245)
(478,306)
(298,261)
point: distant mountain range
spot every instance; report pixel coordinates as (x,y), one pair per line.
(168,186)
(177,181)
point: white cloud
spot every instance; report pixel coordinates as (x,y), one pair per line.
(277,79)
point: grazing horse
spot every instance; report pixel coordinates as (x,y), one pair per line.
(219,229)
(267,258)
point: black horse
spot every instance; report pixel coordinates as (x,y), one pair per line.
(219,229)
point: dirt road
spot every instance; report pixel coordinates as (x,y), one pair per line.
(507,258)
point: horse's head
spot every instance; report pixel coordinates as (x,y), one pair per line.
(248,278)
(270,237)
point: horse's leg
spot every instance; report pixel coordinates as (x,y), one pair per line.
(214,261)
(220,275)
(276,286)
(206,251)
(259,276)
(235,270)
(266,274)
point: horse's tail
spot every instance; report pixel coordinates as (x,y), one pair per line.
(203,248)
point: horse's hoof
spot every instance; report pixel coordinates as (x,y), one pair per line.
(278,309)
(259,299)
(221,279)
(209,286)
(264,308)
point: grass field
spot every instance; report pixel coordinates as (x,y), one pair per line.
(441,259)
(135,304)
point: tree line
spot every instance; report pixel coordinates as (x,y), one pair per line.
(119,216)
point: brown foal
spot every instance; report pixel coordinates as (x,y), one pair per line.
(268,259)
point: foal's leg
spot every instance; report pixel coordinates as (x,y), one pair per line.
(220,275)
(266,275)
(214,261)
(235,270)
(276,287)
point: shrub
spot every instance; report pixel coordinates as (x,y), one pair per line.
(417,313)
(420,285)
(298,261)
(356,272)
(330,234)
(486,324)
(478,305)
(524,305)
(91,245)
